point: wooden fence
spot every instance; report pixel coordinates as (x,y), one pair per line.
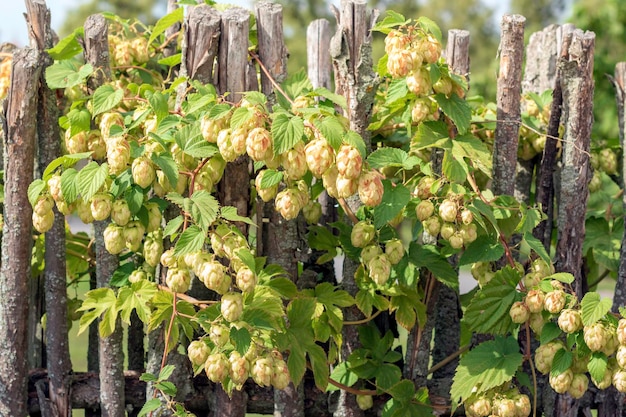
(215,50)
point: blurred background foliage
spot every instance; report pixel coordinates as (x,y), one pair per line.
(607,18)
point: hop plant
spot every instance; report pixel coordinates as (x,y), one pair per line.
(432,225)
(213,276)
(370,188)
(578,386)
(394,249)
(448,211)
(133,235)
(312,212)
(504,407)
(481,407)
(120,212)
(43,223)
(246,279)
(519,312)
(178,279)
(619,380)
(114,241)
(561,382)
(349,162)
(43,205)
(365,402)
(320,156)
(219,334)
(232,306)
(362,234)
(346,187)
(266,194)
(152,249)
(329,180)
(420,110)
(288,203)
(621,331)
(595,336)
(259,144)
(554,301)
(294,162)
(137,275)
(262,371)
(101,205)
(379,269)
(606,381)
(198,352)
(143,172)
(570,321)
(118,155)
(418,82)
(76,143)
(534,300)
(239,368)
(370,252)
(217,367)
(544,355)
(280,374)
(522,405)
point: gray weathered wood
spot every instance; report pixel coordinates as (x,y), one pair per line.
(57,343)
(199,46)
(508,102)
(170,32)
(619,298)
(577,86)
(19,144)
(233,53)
(457,52)
(111,356)
(351,52)
(319,66)
(271,44)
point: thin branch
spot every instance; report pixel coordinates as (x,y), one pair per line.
(269,76)
(362,321)
(449,358)
(348,210)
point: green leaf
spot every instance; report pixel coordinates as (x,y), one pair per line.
(319,364)
(105,98)
(397,90)
(69,186)
(230,213)
(483,249)
(99,302)
(283,286)
(355,140)
(80,121)
(271,177)
(296,363)
(476,151)
(121,274)
(204,209)
(134,197)
(384,157)
(364,301)
(536,245)
(34,190)
(488,311)
(331,129)
(286,132)
(564,277)
(391,20)
(246,256)
(430,26)
(395,198)
(561,362)
(191,240)
(150,405)
(387,375)
(240,116)
(457,109)
(167,165)
(91,178)
(454,167)
(176,16)
(171,61)
(342,374)
(158,103)
(549,332)
(241,339)
(173,226)
(597,365)
(490,364)
(63,74)
(67,47)
(337,99)
(593,308)
(427,256)
(429,134)
(65,161)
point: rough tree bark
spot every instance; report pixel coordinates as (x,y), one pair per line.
(619,297)
(233,77)
(355,79)
(57,344)
(545,187)
(111,356)
(20,125)
(281,238)
(577,86)
(508,102)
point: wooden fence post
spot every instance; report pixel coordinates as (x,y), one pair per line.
(111,356)
(355,79)
(280,238)
(233,77)
(58,363)
(20,125)
(508,102)
(619,297)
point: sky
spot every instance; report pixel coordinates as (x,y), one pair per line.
(13,24)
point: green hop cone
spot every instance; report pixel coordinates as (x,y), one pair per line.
(246,279)
(554,301)
(560,383)
(143,172)
(349,162)
(120,212)
(178,280)
(137,275)
(519,312)
(217,367)
(362,234)
(320,156)
(595,336)
(262,371)
(424,210)
(370,188)
(534,300)
(219,334)
(232,306)
(570,321)
(198,352)
(365,402)
(394,249)
(379,269)
(114,239)
(239,368)
(579,386)
(100,205)
(544,355)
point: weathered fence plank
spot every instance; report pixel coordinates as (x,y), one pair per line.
(111,356)
(20,126)
(508,102)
